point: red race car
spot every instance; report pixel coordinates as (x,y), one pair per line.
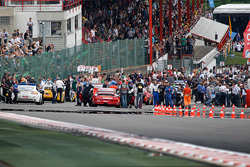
(106,96)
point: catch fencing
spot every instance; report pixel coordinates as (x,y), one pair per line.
(109,55)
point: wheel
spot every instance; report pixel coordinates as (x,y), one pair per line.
(40,102)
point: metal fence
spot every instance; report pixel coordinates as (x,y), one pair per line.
(109,55)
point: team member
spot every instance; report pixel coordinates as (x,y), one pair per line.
(124,94)
(54,92)
(199,87)
(187,96)
(168,91)
(161,89)
(67,89)
(59,86)
(154,92)
(42,86)
(209,95)
(139,90)
(86,93)
(15,90)
(203,90)
(79,90)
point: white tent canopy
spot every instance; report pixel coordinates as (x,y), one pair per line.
(206,28)
(232,8)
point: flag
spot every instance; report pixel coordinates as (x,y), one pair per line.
(230,27)
(238,36)
(211,3)
(246,34)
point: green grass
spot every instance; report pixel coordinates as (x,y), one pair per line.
(24,146)
(237,60)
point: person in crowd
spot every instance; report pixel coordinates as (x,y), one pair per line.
(54,92)
(30,25)
(59,88)
(124,94)
(86,93)
(187,93)
(79,88)
(15,90)
(139,92)
(168,96)
(209,94)
(154,92)
(161,89)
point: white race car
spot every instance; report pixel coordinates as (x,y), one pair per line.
(29,93)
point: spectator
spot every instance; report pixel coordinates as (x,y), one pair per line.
(30,25)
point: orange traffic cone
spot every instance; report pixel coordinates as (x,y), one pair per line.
(175,111)
(194,107)
(180,111)
(192,113)
(222,115)
(204,111)
(233,106)
(223,107)
(212,107)
(245,106)
(211,114)
(233,115)
(242,114)
(186,112)
(171,111)
(198,113)
(165,110)
(162,110)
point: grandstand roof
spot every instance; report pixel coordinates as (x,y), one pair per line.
(232,8)
(206,28)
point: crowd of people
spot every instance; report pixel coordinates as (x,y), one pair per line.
(209,86)
(118,20)
(18,44)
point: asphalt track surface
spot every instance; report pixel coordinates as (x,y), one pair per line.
(228,134)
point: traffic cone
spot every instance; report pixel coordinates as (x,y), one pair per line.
(180,111)
(186,112)
(165,110)
(222,115)
(245,106)
(192,113)
(198,113)
(242,114)
(194,107)
(171,111)
(204,111)
(175,111)
(233,106)
(211,114)
(162,110)
(154,110)
(233,115)
(212,106)
(223,107)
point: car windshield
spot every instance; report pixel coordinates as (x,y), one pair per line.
(26,88)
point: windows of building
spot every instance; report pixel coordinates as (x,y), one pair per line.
(76,22)
(4,19)
(51,28)
(69,25)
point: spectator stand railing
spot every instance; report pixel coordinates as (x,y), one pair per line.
(43,5)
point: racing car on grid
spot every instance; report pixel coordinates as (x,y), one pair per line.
(28,93)
(106,96)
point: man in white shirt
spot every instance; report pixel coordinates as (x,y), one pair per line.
(30,25)
(239,47)
(42,86)
(223,91)
(59,86)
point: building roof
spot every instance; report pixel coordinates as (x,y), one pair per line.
(232,9)
(206,28)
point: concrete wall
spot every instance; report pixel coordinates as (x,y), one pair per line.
(9,27)
(23,18)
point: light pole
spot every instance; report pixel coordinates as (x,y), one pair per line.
(43,27)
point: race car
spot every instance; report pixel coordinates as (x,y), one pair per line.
(48,95)
(106,96)
(28,93)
